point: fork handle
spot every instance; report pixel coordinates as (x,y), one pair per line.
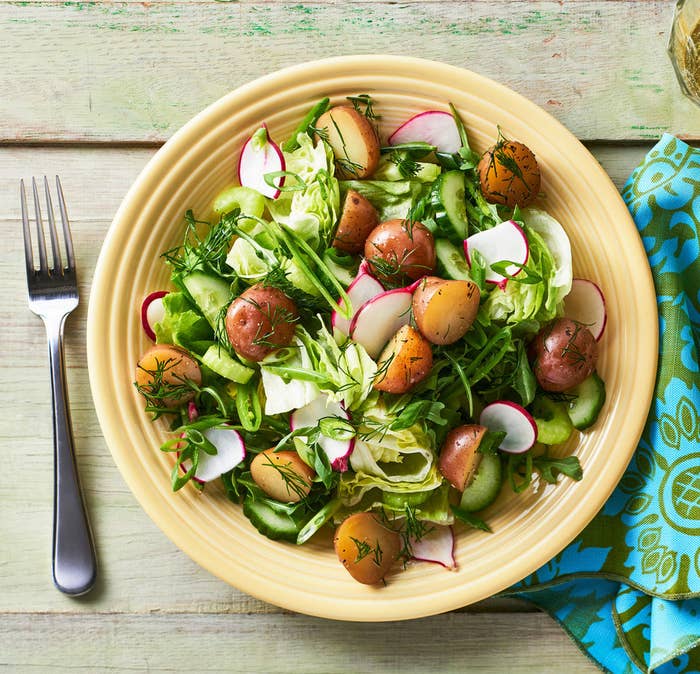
(73,561)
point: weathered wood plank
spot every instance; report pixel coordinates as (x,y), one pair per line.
(137,71)
(282,644)
(140,569)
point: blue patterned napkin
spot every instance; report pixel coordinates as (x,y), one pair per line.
(627,590)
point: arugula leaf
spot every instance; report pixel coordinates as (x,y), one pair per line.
(424,410)
(551,467)
(524,381)
(470,519)
(491,442)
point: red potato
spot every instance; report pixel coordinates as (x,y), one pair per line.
(565,353)
(509,174)
(399,249)
(161,373)
(459,456)
(406,360)
(366,548)
(283,475)
(260,321)
(357,219)
(445,310)
(353,139)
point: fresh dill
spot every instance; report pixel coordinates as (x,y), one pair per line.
(364,549)
(406,166)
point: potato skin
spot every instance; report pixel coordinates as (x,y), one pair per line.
(259,321)
(406,360)
(353,139)
(445,310)
(269,470)
(357,219)
(500,184)
(459,456)
(398,249)
(366,548)
(176,365)
(565,353)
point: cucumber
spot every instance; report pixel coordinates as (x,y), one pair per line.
(590,398)
(451,261)
(217,360)
(485,486)
(270,521)
(450,210)
(553,423)
(318,520)
(399,500)
(249,201)
(210,293)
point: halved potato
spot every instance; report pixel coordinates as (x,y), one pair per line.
(366,548)
(161,374)
(357,219)
(445,310)
(405,361)
(509,174)
(353,139)
(459,456)
(282,475)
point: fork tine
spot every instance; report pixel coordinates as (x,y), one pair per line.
(43,264)
(56,251)
(26,231)
(66,226)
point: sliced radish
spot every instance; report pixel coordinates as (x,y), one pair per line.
(363,288)
(504,242)
(379,319)
(192,411)
(586,304)
(152,312)
(437,545)
(230,451)
(337,451)
(258,157)
(516,421)
(435,127)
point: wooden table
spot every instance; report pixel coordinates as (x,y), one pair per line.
(89,90)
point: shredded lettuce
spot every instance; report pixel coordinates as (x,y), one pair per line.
(183,325)
(391,198)
(425,172)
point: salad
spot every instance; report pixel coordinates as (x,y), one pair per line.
(373,333)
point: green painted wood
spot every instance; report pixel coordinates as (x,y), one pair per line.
(134,72)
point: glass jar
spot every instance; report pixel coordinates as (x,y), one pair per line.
(684,47)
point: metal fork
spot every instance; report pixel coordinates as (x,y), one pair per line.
(53,294)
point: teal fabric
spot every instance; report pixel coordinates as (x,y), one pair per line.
(628,588)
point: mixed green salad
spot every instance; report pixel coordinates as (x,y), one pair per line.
(374,333)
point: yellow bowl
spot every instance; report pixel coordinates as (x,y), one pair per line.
(189,171)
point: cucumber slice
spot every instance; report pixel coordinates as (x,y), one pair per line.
(249,201)
(590,398)
(450,211)
(399,500)
(211,294)
(318,520)
(217,360)
(269,521)
(451,261)
(553,423)
(485,486)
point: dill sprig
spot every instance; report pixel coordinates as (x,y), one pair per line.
(164,387)
(364,100)
(407,167)
(364,549)
(412,531)
(294,482)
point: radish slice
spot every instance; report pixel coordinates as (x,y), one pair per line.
(258,157)
(363,288)
(192,411)
(516,421)
(230,451)
(432,126)
(379,319)
(152,312)
(506,241)
(437,545)
(337,451)
(586,304)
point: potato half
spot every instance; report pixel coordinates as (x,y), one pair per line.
(405,361)
(357,219)
(282,475)
(459,456)
(509,174)
(161,373)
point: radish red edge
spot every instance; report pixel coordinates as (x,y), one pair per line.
(151,302)
(585,303)
(371,287)
(515,420)
(436,546)
(252,176)
(435,127)
(230,449)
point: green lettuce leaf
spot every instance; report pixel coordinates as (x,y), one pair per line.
(425,172)
(391,198)
(183,325)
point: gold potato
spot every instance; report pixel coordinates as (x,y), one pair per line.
(259,321)
(509,174)
(353,139)
(445,310)
(459,456)
(405,361)
(283,476)
(161,373)
(357,219)
(366,548)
